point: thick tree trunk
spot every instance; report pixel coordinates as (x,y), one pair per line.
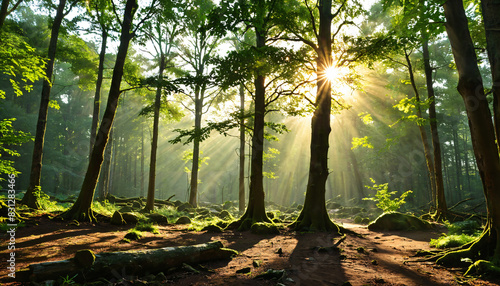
(150,202)
(241,192)
(314,215)
(135,262)
(4,11)
(441,207)
(97,96)
(106,170)
(470,87)
(29,198)
(82,209)
(423,134)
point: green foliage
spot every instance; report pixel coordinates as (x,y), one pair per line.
(459,233)
(361,142)
(187,157)
(105,207)
(384,199)
(147,226)
(68,280)
(170,212)
(9,136)
(46,203)
(20,63)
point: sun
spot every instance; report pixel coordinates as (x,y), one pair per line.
(335,74)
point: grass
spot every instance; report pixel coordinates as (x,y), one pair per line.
(171,213)
(146,226)
(105,208)
(459,233)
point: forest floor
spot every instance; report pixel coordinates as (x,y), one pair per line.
(369,258)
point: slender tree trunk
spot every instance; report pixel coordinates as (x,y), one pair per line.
(441,207)
(241,193)
(82,209)
(196,147)
(98,85)
(4,11)
(423,134)
(314,215)
(458,162)
(470,87)
(466,159)
(29,198)
(142,161)
(150,202)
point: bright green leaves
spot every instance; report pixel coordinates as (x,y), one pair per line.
(384,197)
(361,142)
(409,106)
(10,137)
(19,61)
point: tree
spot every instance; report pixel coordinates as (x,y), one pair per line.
(470,87)
(82,208)
(30,199)
(196,53)
(163,37)
(5,10)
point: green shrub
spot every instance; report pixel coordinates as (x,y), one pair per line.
(384,199)
(147,226)
(105,207)
(459,233)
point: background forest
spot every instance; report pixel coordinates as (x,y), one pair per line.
(376,120)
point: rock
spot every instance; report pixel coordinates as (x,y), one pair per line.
(126,209)
(202,211)
(225,215)
(136,205)
(184,207)
(398,221)
(177,203)
(130,218)
(133,235)
(117,218)
(84,258)
(213,228)
(158,218)
(183,220)
(160,277)
(227,205)
(264,228)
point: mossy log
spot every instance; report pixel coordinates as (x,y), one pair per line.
(133,262)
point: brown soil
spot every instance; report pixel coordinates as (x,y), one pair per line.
(385,257)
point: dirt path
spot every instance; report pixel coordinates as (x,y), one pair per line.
(369,258)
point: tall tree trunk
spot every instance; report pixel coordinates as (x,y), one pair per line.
(256,210)
(142,161)
(470,87)
(441,207)
(314,215)
(423,134)
(458,162)
(150,202)
(196,146)
(98,85)
(82,209)
(4,11)
(29,198)
(241,192)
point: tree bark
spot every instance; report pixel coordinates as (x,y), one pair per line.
(441,207)
(106,170)
(241,192)
(314,215)
(29,198)
(150,202)
(98,85)
(198,112)
(82,209)
(142,161)
(135,262)
(470,87)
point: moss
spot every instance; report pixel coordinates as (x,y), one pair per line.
(133,234)
(183,220)
(117,218)
(398,221)
(264,228)
(484,267)
(147,226)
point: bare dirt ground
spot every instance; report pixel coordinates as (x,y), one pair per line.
(369,258)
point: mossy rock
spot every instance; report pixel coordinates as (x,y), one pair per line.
(213,228)
(202,211)
(222,224)
(157,218)
(224,215)
(133,235)
(183,220)
(130,218)
(184,207)
(227,205)
(264,228)
(177,203)
(398,221)
(84,258)
(136,205)
(117,218)
(126,209)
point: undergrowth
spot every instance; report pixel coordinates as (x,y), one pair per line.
(459,233)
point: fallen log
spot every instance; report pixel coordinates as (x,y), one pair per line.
(133,262)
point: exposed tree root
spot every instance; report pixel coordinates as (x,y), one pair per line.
(306,222)
(247,220)
(78,214)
